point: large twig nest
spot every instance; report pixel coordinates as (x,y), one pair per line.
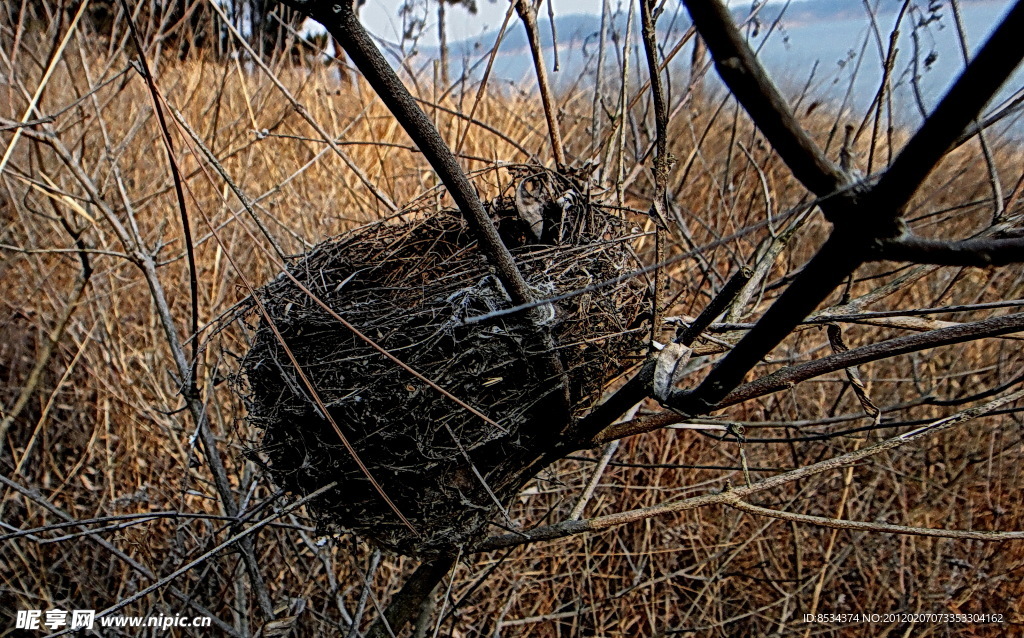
(408,286)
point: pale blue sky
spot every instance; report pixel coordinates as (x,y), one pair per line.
(381,17)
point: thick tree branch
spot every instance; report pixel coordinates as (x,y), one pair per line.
(822,274)
(340,19)
(788,377)
(639,387)
(967,252)
(877,212)
(715,307)
(405,606)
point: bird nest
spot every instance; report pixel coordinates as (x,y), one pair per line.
(407,287)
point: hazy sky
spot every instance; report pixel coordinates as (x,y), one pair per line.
(381,17)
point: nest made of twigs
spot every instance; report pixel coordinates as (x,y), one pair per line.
(408,286)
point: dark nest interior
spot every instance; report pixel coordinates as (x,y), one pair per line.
(408,285)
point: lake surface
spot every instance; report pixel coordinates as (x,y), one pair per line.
(837,47)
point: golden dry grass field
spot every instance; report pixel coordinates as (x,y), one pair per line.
(106,489)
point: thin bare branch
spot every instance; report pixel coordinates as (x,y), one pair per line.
(985,74)
(528,14)
(574,527)
(207,555)
(866,526)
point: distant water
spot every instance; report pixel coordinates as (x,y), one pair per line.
(832,55)
(836,46)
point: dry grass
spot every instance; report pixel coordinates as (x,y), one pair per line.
(106,433)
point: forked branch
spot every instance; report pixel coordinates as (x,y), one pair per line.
(877,211)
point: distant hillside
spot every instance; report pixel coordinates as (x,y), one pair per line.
(571,30)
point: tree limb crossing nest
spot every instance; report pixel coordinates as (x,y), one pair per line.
(408,286)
